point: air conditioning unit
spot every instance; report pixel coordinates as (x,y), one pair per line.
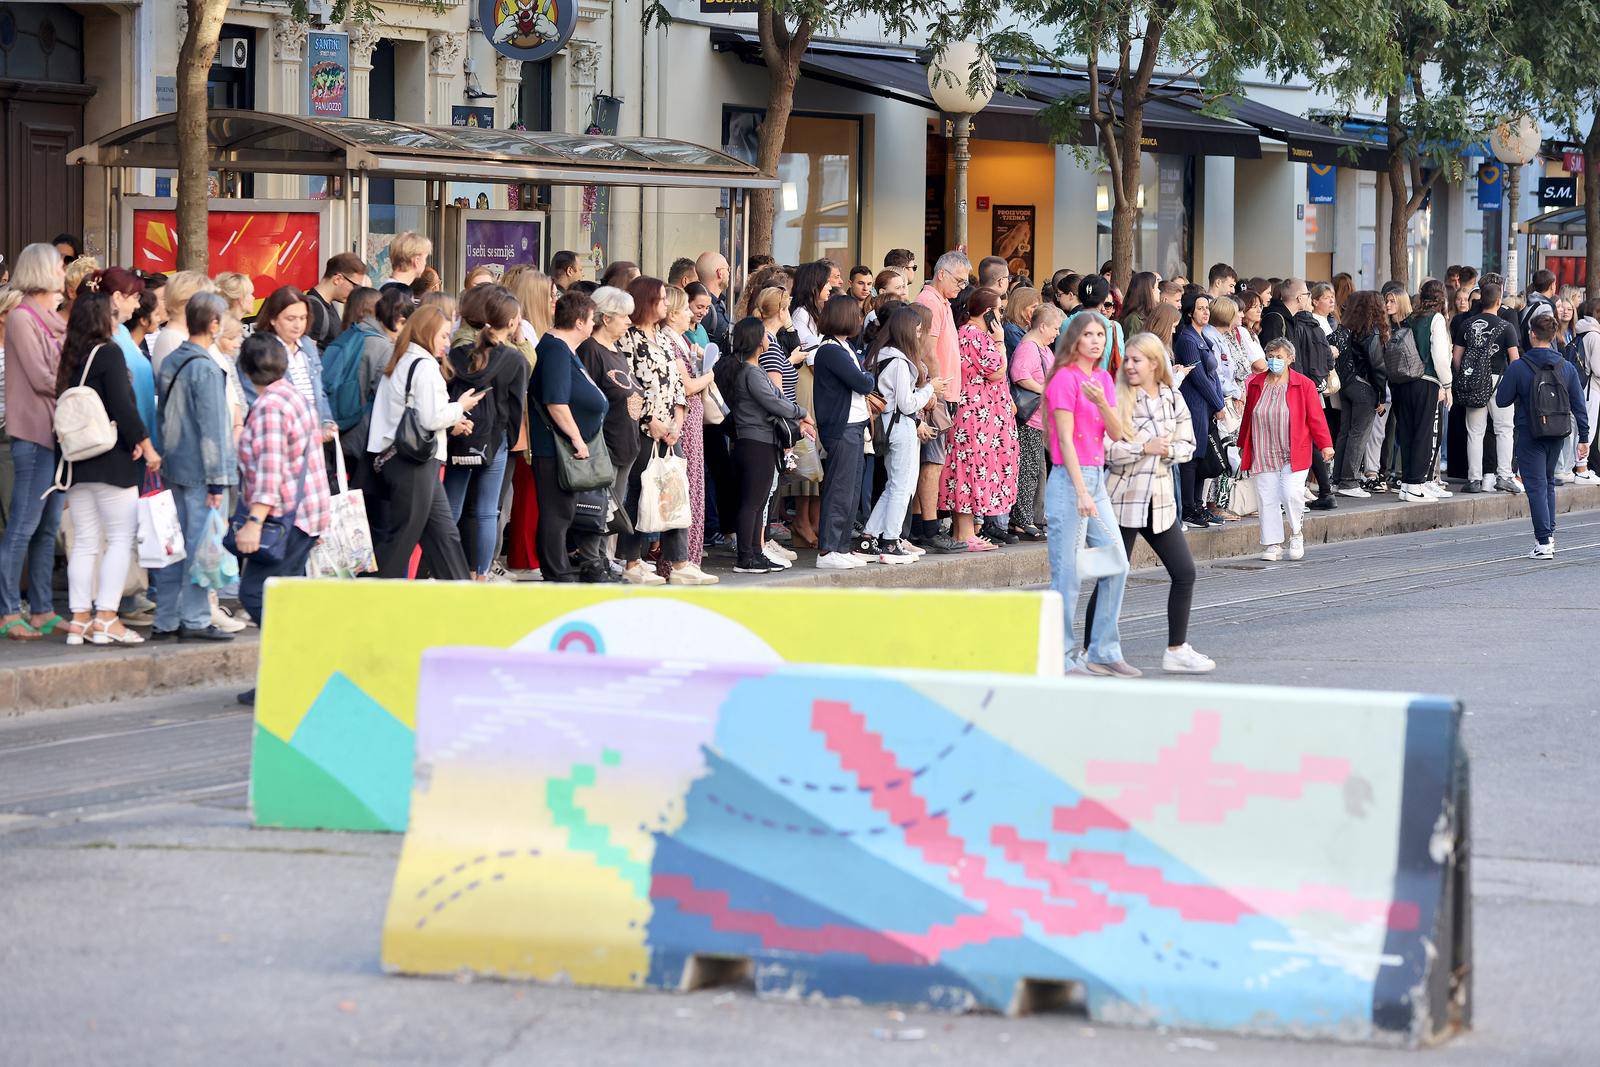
(232,52)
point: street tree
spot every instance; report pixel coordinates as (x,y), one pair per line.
(195,54)
(1137,50)
(1422,62)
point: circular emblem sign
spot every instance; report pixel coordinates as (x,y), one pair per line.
(529,30)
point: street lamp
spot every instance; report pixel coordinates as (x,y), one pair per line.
(1515,142)
(962,83)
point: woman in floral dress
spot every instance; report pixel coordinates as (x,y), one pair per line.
(679,323)
(981,475)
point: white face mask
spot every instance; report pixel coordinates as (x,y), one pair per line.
(1275,364)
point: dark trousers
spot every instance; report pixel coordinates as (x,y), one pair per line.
(1188,476)
(722,495)
(1536,463)
(254,573)
(1319,470)
(1173,551)
(556,508)
(1358,405)
(674,543)
(1416,407)
(419,513)
(755,461)
(841,488)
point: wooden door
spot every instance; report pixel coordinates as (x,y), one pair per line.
(42,195)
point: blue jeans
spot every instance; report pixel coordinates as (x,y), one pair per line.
(479,486)
(180,602)
(30,537)
(1061,511)
(1536,462)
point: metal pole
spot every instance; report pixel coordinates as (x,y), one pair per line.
(1512,181)
(963,157)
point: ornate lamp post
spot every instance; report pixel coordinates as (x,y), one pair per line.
(1515,142)
(962,87)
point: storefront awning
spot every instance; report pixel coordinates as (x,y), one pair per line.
(1308,140)
(262,142)
(1169,127)
(1563,222)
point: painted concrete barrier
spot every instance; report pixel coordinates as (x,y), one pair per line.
(1250,859)
(336,700)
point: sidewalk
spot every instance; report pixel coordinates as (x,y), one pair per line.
(48,674)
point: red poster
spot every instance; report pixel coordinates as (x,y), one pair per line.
(274,247)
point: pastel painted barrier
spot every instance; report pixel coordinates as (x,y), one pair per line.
(1242,858)
(336,700)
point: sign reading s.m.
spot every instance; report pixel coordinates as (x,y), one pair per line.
(1558,192)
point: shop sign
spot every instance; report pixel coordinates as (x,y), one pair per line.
(1011,229)
(327,74)
(1558,192)
(1321,182)
(729,7)
(529,30)
(1572,160)
(1491,186)
(502,242)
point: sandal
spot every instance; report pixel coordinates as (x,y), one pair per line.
(100,634)
(19,630)
(76,631)
(49,625)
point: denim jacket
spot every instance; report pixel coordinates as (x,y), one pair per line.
(196,428)
(314,363)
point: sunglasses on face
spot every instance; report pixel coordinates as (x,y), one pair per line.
(1108,305)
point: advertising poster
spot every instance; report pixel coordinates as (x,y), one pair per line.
(1490,185)
(275,248)
(479,118)
(503,242)
(327,74)
(1321,183)
(1013,236)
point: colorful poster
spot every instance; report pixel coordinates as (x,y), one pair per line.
(1321,183)
(1013,237)
(275,248)
(503,242)
(327,74)
(529,30)
(1491,185)
(478,118)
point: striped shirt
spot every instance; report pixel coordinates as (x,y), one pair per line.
(1269,429)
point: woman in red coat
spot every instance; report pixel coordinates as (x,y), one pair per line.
(1282,421)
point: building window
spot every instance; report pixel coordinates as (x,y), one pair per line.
(1163,230)
(818,209)
(533,97)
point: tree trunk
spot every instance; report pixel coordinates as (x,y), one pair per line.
(1125,198)
(194,64)
(1399,200)
(769,147)
(1591,208)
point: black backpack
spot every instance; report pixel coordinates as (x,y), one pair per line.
(1401,360)
(1552,404)
(1474,385)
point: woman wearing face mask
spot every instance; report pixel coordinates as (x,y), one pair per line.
(1079,415)
(1283,421)
(1156,434)
(1027,371)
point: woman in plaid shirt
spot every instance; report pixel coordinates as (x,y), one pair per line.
(281,473)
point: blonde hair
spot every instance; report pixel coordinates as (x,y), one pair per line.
(182,287)
(38,270)
(9,299)
(479,271)
(230,326)
(443,301)
(421,329)
(78,270)
(677,300)
(237,289)
(770,302)
(1402,305)
(1224,311)
(1150,347)
(1046,315)
(532,288)
(1020,305)
(408,247)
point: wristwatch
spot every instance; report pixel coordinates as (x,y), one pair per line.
(252,518)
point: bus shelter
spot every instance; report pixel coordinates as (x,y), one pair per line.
(350,154)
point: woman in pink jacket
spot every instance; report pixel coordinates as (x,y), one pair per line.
(33,351)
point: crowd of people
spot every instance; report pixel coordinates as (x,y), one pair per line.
(538,424)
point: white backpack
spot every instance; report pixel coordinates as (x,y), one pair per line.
(82,426)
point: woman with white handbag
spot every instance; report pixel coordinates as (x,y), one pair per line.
(1083,540)
(1158,433)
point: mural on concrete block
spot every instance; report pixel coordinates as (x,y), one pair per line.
(336,706)
(1229,857)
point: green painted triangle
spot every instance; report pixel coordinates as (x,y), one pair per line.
(287,789)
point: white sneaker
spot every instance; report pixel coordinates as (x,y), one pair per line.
(1563,477)
(837,561)
(911,549)
(1544,551)
(1413,494)
(775,549)
(1488,484)
(1185,660)
(1355,491)
(1297,547)
(1272,553)
(775,554)
(498,573)
(1440,490)
(221,617)
(691,574)
(637,575)
(1513,484)
(863,558)
(1587,477)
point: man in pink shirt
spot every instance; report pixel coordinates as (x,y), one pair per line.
(950,275)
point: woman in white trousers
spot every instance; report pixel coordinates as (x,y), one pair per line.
(1283,420)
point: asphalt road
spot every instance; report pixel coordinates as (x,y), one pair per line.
(143,921)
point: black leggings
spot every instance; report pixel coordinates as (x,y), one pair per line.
(755,462)
(1173,552)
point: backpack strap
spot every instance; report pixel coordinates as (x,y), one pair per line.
(161,408)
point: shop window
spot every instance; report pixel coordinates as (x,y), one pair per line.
(1163,228)
(41,43)
(819,202)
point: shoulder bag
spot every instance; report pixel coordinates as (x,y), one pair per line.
(411,441)
(274,528)
(576,475)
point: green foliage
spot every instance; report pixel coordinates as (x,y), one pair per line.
(1549,57)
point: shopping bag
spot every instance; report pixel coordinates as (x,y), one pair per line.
(807,464)
(212,566)
(664,492)
(160,532)
(346,548)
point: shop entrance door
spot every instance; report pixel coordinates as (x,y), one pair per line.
(42,195)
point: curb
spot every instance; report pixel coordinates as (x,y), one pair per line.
(101,677)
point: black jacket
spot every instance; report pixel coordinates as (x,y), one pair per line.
(108,376)
(838,378)
(1312,356)
(1363,359)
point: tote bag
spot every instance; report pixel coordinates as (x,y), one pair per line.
(346,549)
(664,492)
